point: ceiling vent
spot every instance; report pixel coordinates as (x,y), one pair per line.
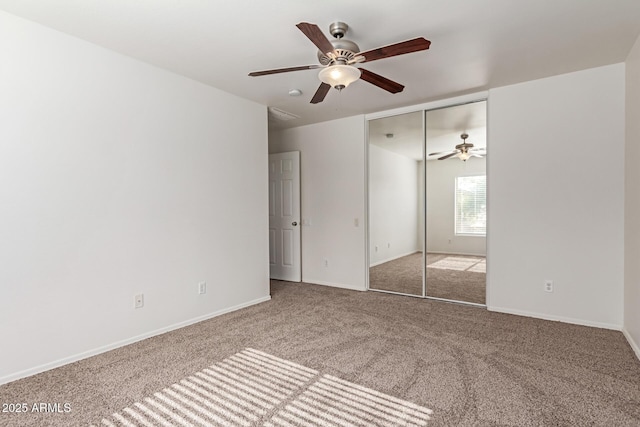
(280,115)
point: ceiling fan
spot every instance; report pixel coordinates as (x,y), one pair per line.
(462,151)
(338,56)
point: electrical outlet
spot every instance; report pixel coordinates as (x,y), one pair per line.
(138,301)
(202,288)
(376,249)
(356,222)
(388,245)
(548,285)
(326,263)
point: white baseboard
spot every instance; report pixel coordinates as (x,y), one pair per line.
(334,285)
(632,343)
(65,361)
(554,318)
(392,258)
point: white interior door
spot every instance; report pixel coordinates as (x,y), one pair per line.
(284,216)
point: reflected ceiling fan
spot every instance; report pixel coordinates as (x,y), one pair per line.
(338,56)
(462,151)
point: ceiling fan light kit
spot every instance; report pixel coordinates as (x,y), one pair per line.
(337,58)
(339,76)
(464,156)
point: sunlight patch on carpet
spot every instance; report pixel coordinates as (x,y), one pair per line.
(477,265)
(253,388)
(480,267)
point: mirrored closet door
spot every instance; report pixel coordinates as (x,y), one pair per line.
(396,201)
(427,203)
(456,208)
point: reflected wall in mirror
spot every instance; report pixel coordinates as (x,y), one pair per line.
(396,204)
(456,203)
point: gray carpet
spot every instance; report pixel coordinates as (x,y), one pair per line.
(404,275)
(455,365)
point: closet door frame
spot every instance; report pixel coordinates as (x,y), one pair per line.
(424,108)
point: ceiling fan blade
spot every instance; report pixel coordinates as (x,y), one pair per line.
(409,46)
(284,70)
(320,93)
(316,36)
(440,152)
(381,82)
(447,156)
(478,155)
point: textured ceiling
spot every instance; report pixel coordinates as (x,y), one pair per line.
(476,44)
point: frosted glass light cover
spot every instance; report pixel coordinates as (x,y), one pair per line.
(339,76)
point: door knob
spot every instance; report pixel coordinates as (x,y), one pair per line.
(294,223)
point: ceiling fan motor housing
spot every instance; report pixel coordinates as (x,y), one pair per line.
(465,146)
(344,51)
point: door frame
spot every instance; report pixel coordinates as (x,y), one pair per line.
(293,221)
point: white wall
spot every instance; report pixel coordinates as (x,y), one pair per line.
(556,208)
(556,197)
(117,178)
(393,205)
(441,236)
(332,180)
(632,200)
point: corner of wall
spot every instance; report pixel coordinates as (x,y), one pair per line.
(632,199)
(634,345)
